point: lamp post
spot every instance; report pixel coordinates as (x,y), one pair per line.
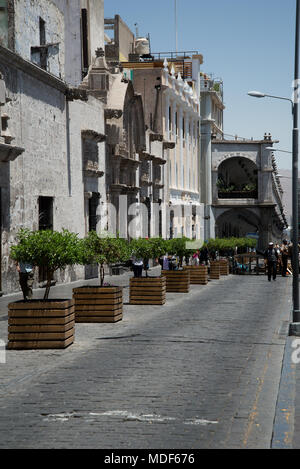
(294,102)
(277,149)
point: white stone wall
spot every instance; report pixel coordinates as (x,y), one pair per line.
(27,14)
(49,165)
(72,40)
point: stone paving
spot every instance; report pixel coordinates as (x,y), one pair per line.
(202,371)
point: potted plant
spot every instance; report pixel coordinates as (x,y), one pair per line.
(198,272)
(102,303)
(47,323)
(178,280)
(148,290)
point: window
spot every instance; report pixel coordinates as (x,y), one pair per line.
(84,42)
(39,54)
(44,50)
(93,205)
(45,213)
(45,223)
(42,26)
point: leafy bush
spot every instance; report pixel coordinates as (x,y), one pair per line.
(52,250)
(103,250)
(146,249)
(177,247)
(228,245)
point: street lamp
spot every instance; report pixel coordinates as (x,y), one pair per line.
(295,255)
(258,94)
(277,149)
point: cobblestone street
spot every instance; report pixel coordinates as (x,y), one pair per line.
(202,371)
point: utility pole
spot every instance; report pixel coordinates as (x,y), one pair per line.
(295,239)
(176,28)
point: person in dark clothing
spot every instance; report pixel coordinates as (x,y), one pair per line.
(271,256)
(204,256)
(26,279)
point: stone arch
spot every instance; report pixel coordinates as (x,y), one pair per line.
(238,175)
(237,222)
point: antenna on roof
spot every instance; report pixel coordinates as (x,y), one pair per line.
(136,30)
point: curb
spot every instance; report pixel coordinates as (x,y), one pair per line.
(283,428)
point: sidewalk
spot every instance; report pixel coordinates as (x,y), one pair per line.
(65,290)
(100,391)
(286,433)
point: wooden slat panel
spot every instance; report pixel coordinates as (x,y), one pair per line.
(42,328)
(96,296)
(40,344)
(97,319)
(104,290)
(145,302)
(98,313)
(41,305)
(40,313)
(40,320)
(19,336)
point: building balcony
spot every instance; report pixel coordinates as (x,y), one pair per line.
(238,194)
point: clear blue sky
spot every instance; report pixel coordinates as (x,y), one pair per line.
(247,43)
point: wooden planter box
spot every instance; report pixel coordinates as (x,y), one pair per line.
(41,324)
(224,267)
(214,270)
(98,304)
(177,280)
(147,291)
(198,274)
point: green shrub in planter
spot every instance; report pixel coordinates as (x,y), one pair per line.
(178,247)
(49,249)
(103,250)
(148,290)
(43,324)
(148,248)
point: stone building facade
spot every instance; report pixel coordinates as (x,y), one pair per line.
(246,191)
(172,115)
(54,177)
(212,108)
(241,190)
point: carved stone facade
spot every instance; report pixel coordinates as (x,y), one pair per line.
(52,138)
(246,193)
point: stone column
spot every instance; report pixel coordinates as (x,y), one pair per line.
(167,105)
(181,169)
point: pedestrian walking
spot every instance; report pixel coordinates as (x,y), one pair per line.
(204,256)
(137,266)
(271,257)
(284,252)
(26,278)
(195,259)
(173,263)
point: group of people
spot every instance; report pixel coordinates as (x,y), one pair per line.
(277,256)
(170,262)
